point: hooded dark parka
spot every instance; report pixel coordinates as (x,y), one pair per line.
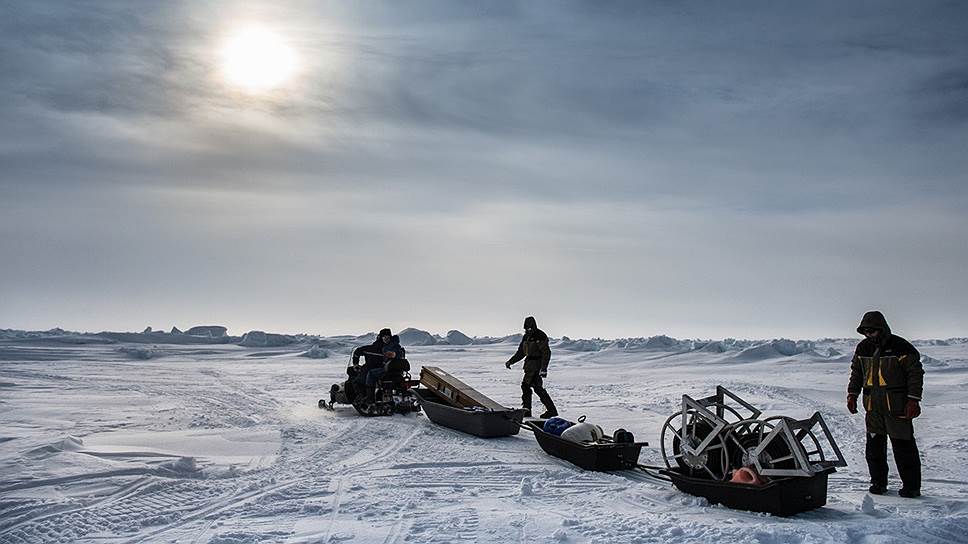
(887,369)
(397,362)
(533,348)
(372,354)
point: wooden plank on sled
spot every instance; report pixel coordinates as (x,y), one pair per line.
(454,391)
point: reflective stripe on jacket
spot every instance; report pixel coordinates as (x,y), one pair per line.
(887,374)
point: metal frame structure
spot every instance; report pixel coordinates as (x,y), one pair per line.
(717,401)
(793,432)
(763,444)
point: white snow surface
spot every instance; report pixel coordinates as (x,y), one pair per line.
(225,444)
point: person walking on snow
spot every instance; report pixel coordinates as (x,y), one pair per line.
(887,368)
(536,353)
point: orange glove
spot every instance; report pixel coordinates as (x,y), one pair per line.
(852,404)
(912,409)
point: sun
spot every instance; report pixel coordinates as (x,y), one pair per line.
(257,60)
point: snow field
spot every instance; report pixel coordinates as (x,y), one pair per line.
(225,445)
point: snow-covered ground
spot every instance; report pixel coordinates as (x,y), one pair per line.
(106,441)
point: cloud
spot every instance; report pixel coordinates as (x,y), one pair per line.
(669,156)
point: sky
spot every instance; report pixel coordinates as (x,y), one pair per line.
(702,170)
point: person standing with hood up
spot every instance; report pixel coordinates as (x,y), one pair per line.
(536,353)
(887,368)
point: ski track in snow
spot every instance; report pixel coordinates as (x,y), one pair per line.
(217,446)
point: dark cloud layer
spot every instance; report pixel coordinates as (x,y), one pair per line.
(449,135)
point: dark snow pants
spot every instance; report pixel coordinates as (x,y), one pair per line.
(532,380)
(906,457)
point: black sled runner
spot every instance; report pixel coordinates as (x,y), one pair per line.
(780,497)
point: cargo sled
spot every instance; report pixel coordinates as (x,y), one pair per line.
(450,402)
(780,497)
(478,421)
(604,455)
(717,438)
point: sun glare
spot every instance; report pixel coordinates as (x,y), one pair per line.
(257,60)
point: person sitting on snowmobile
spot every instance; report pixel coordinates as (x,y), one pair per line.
(372,358)
(392,352)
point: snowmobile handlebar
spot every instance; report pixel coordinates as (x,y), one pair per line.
(354,359)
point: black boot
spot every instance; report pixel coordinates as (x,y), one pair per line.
(550,411)
(370,394)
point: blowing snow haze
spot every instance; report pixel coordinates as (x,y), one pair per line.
(619,169)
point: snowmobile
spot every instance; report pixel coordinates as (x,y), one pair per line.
(393,393)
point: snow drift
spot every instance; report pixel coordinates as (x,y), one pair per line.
(261,339)
(457,338)
(416,337)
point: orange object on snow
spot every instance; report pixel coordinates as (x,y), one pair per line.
(746,475)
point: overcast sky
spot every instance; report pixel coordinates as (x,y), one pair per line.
(753,170)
